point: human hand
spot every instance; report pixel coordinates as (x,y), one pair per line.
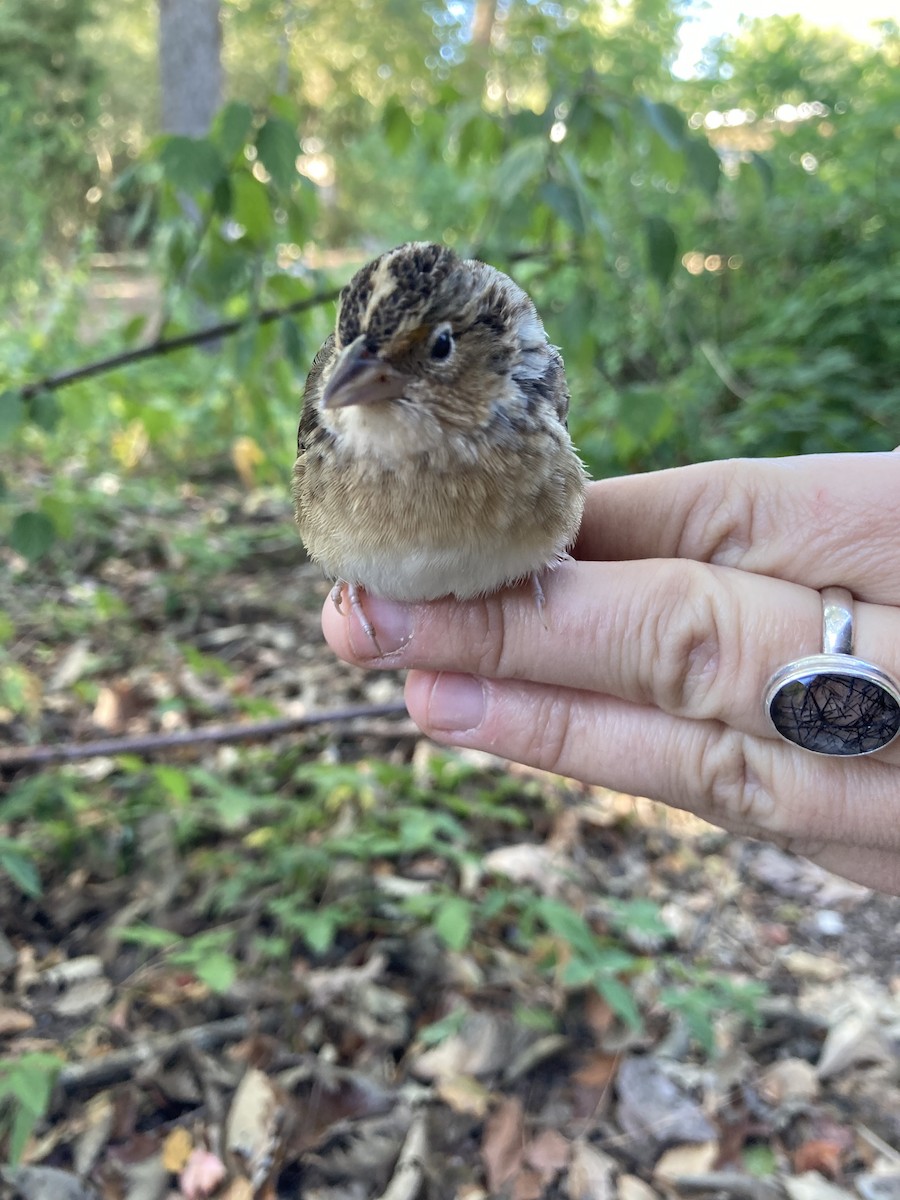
(648,670)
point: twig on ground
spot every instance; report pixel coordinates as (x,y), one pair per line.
(153,743)
(409,1173)
(120,1065)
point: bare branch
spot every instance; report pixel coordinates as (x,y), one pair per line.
(120,1065)
(198,337)
(153,743)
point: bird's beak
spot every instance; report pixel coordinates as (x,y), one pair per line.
(361,377)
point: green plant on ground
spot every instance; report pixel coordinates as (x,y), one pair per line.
(26,1086)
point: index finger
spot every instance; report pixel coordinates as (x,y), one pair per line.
(817,520)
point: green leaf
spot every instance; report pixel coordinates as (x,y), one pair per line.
(12,412)
(61,513)
(44,411)
(32,535)
(222,195)
(619,998)
(191,164)
(763,169)
(560,919)
(251,207)
(439,1031)
(453,922)
(278,148)
(318,929)
(132,330)
(148,935)
(397,126)
(519,167)
(646,413)
(704,165)
(285,107)
(19,867)
(26,1085)
(231,127)
(563,201)
(759,1161)
(174,782)
(217,970)
(479,137)
(666,121)
(662,248)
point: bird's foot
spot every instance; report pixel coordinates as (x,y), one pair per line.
(356,607)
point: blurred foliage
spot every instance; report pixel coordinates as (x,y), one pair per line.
(716,256)
(310,848)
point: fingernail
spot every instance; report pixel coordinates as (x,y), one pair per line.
(456,703)
(391,621)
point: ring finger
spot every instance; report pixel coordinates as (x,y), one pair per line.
(748,785)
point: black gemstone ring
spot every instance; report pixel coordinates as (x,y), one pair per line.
(833,703)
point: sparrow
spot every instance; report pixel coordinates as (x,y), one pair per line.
(433,454)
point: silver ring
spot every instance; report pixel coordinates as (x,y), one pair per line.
(834,703)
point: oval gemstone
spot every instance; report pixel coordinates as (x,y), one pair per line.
(835,713)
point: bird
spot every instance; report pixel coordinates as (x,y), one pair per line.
(433,451)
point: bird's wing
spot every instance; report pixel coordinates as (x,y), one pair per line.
(309,416)
(547,390)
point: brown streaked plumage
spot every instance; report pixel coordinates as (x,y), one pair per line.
(433,454)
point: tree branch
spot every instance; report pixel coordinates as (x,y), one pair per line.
(50,383)
(152,743)
(119,1065)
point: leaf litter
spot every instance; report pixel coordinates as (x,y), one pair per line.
(344,964)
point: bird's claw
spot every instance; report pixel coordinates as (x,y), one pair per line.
(539,598)
(356,607)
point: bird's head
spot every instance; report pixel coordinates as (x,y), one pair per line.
(426,336)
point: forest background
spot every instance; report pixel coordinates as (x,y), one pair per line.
(716,255)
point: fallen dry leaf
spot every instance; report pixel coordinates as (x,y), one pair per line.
(238,1189)
(598,1071)
(813,1186)
(464,1094)
(788,1080)
(548,1153)
(656,1112)
(253,1126)
(819,1155)
(821,967)
(176,1150)
(854,1038)
(202,1174)
(486,1043)
(632,1188)
(591,1173)
(503,1143)
(13,1021)
(691,1159)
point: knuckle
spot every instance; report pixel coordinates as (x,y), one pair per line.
(477,629)
(719,527)
(683,647)
(553,728)
(492,636)
(730,784)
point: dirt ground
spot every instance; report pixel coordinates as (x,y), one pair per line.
(716,1018)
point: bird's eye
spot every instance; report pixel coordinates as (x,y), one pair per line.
(442,344)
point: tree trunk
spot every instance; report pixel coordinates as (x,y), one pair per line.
(483,23)
(190,65)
